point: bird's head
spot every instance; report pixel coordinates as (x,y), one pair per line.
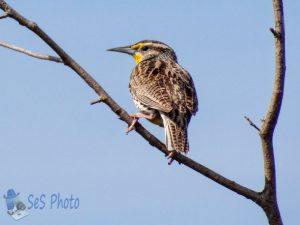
(147,49)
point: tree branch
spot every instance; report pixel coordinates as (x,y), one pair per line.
(30,53)
(272,115)
(105,98)
(269,199)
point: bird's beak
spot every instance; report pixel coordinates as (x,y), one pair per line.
(126,49)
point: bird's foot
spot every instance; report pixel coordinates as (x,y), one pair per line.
(136,117)
(170,156)
(132,125)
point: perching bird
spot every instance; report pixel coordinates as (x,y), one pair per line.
(162,90)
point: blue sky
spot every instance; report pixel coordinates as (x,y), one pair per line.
(52,141)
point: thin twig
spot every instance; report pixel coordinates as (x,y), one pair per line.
(30,53)
(251,123)
(99,100)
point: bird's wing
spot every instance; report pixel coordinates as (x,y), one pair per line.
(188,89)
(147,85)
(164,86)
(153,96)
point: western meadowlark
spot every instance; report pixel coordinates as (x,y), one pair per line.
(162,90)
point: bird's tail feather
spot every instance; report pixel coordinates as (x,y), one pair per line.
(176,136)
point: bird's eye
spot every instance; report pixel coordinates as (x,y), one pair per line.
(145,48)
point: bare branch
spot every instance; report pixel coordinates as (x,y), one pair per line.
(251,123)
(269,199)
(275,104)
(105,98)
(30,53)
(272,115)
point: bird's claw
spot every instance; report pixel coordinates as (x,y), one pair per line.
(170,156)
(132,125)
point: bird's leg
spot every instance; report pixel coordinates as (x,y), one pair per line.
(136,117)
(142,115)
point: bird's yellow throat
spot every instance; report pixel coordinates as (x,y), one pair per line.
(137,57)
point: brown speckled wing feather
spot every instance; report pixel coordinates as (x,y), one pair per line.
(164,86)
(147,86)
